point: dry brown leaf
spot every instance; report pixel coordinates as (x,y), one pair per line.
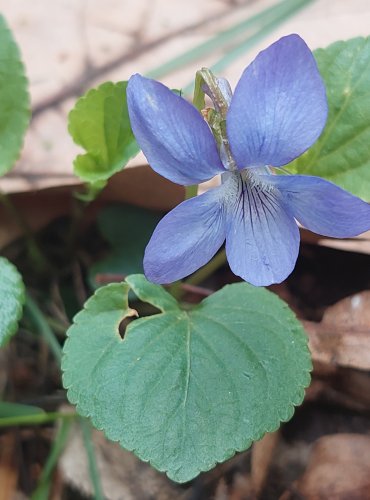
(338,469)
(352,313)
(78,46)
(343,336)
(69,47)
(123,476)
(359,244)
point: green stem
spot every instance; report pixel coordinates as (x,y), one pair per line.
(43,488)
(191,191)
(33,249)
(93,468)
(38,419)
(175,290)
(199,276)
(41,324)
(57,325)
(204,272)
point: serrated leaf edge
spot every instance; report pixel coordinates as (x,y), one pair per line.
(21,298)
(117,167)
(281,416)
(25,120)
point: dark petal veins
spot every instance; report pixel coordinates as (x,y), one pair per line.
(262,239)
(172,134)
(279,106)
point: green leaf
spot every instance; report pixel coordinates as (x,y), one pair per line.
(185,390)
(100,123)
(128,229)
(8,410)
(238,386)
(12,297)
(14,100)
(341,154)
(151,293)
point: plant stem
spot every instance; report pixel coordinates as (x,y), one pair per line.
(204,272)
(191,191)
(43,327)
(199,276)
(57,325)
(93,469)
(43,488)
(38,419)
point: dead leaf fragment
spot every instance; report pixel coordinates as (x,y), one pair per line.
(338,469)
(122,475)
(343,336)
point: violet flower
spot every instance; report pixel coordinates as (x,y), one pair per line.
(277,112)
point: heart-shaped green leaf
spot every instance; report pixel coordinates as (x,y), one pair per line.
(341,154)
(12,298)
(14,100)
(185,390)
(100,123)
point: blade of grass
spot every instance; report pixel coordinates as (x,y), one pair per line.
(40,323)
(234,54)
(8,410)
(43,488)
(227,37)
(93,468)
(35,419)
(287,9)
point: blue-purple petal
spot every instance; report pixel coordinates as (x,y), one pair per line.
(262,240)
(279,106)
(323,207)
(186,238)
(172,134)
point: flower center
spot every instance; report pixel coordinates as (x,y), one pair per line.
(257,177)
(246,181)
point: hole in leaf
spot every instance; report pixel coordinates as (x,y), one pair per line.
(122,327)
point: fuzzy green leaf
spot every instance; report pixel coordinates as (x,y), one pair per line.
(12,297)
(14,100)
(100,123)
(185,390)
(341,154)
